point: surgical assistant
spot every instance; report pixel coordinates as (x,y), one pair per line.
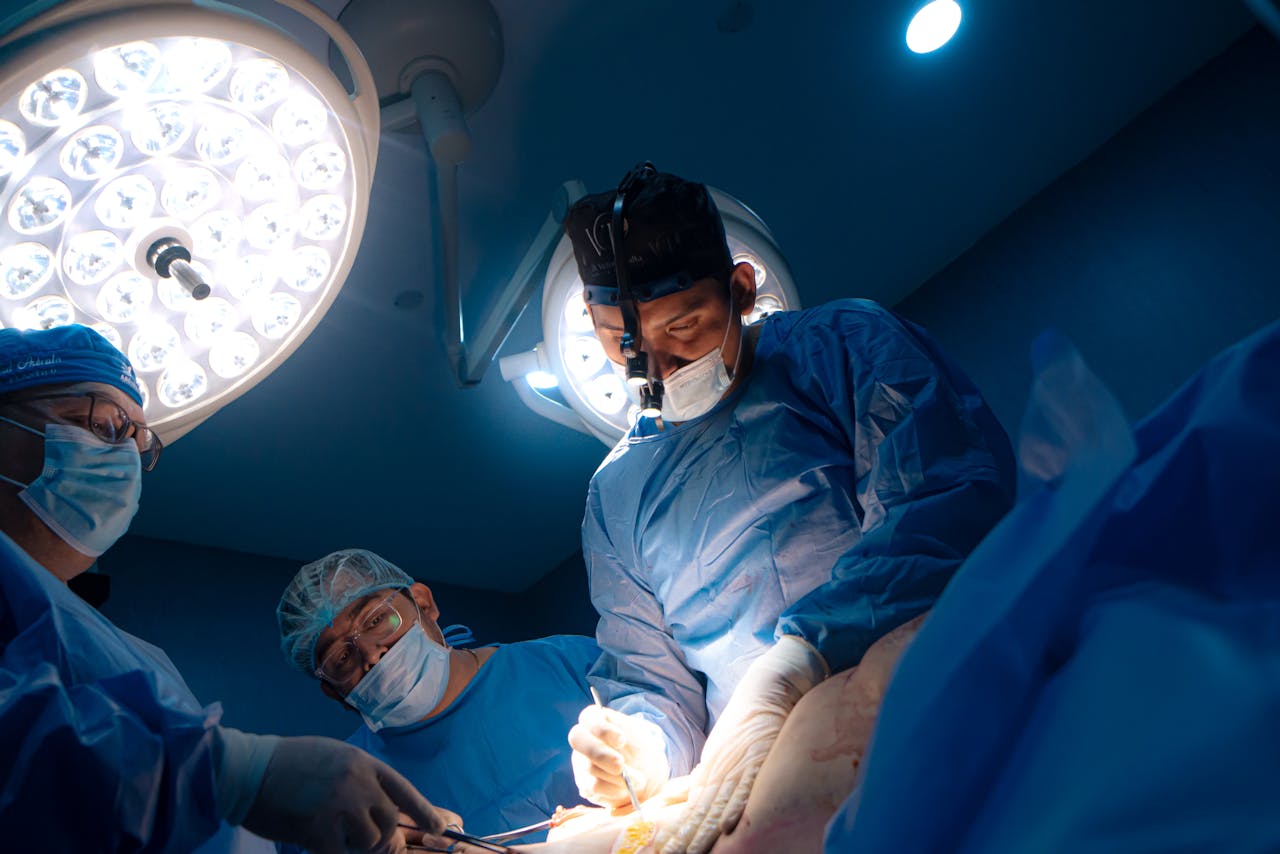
(483,730)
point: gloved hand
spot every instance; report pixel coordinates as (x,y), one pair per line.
(739,743)
(602,741)
(319,793)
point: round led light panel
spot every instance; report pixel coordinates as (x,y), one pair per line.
(123,125)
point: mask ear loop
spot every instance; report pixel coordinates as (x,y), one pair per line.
(742,331)
(458,635)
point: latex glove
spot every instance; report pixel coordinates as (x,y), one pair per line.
(318,793)
(740,741)
(603,741)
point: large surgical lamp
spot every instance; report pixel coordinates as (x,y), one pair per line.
(567,377)
(186,179)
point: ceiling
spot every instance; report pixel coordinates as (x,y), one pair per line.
(873,166)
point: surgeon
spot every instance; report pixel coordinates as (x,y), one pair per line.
(808,484)
(103,746)
(483,730)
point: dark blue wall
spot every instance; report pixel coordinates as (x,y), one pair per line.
(1156,252)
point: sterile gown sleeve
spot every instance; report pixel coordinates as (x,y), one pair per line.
(103,749)
(647,675)
(934,473)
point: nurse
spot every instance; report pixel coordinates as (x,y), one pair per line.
(812,482)
(104,747)
(482,729)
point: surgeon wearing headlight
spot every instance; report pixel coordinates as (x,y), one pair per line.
(104,747)
(482,730)
(799,488)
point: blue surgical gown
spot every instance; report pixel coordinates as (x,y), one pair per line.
(831,495)
(1103,674)
(499,755)
(103,746)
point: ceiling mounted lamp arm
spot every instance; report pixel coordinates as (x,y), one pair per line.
(474,356)
(437,61)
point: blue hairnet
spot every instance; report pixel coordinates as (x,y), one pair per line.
(63,354)
(320,591)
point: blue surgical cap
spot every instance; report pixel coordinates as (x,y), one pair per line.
(63,354)
(320,591)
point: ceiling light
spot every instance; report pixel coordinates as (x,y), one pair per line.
(187,180)
(933,26)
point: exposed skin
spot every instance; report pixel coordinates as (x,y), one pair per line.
(463,664)
(682,327)
(22,459)
(812,768)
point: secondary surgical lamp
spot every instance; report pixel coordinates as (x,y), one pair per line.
(186,179)
(588,394)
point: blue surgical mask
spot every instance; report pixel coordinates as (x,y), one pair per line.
(89,489)
(406,683)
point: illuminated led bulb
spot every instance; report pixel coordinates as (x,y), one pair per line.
(299,120)
(268,226)
(154,346)
(607,393)
(124,297)
(577,319)
(90,257)
(215,233)
(233,354)
(322,218)
(54,98)
(175,296)
(250,276)
(161,128)
(321,166)
(24,269)
(92,153)
(126,68)
(196,65)
(181,383)
(584,356)
(222,139)
(275,315)
(766,304)
(307,268)
(45,313)
(39,205)
(13,144)
(262,175)
(208,318)
(126,201)
(189,192)
(109,332)
(258,83)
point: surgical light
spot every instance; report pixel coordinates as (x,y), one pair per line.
(184,178)
(591,394)
(933,26)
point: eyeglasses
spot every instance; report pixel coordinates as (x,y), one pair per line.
(107,420)
(380,626)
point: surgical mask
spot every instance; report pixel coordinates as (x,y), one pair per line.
(89,489)
(406,683)
(694,389)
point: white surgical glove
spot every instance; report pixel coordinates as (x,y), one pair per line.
(603,741)
(740,741)
(318,793)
